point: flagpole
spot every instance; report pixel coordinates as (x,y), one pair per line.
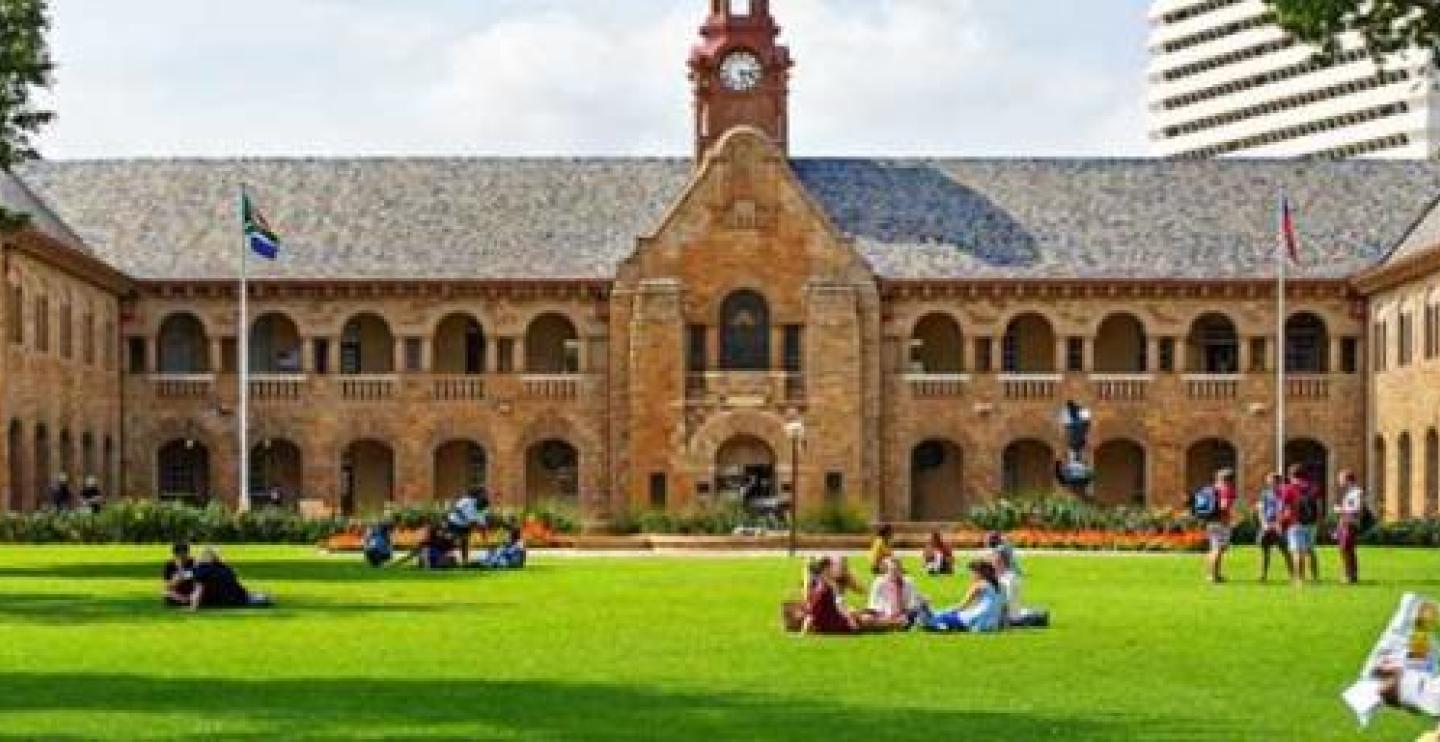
(242,333)
(1282,255)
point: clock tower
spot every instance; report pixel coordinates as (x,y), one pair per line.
(741,74)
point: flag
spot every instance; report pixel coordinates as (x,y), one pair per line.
(1287,230)
(258,234)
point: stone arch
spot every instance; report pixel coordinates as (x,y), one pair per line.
(552,345)
(367,345)
(459,345)
(1205,457)
(40,468)
(744,322)
(705,443)
(1027,466)
(182,469)
(367,476)
(277,462)
(746,467)
(276,346)
(1120,345)
(1307,344)
(937,480)
(1028,346)
(182,345)
(1213,345)
(1314,457)
(1121,472)
(553,471)
(937,345)
(458,465)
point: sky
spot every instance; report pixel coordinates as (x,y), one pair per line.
(141,78)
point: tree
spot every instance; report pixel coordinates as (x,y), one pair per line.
(25,66)
(1385,25)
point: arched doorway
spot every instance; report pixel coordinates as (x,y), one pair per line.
(275,346)
(277,464)
(1404,475)
(41,470)
(1028,346)
(1207,457)
(937,346)
(1120,471)
(182,346)
(552,472)
(552,346)
(1312,456)
(1307,344)
(15,450)
(460,465)
(1120,345)
(1213,345)
(366,346)
(459,346)
(745,332)
(745,469)
(1027,467)
(182,468)
(937,481)
(367,477)
(1432,474)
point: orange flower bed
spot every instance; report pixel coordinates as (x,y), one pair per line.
(1090,540)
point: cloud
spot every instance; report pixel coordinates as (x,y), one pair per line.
(559,77)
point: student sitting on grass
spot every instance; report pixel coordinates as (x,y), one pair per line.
(982,610)
(179,576)
(379,544)
(216,586)
(893,599)
(509,555)
(471,511)
(825,611)
(939,558)
(434,551)
(1007,570)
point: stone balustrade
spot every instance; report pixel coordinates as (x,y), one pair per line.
(937,386)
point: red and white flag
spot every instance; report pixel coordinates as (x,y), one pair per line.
(1288,241)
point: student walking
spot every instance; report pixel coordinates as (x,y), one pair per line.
(1271,534)
(1300,515)
(1352,510)
(1215,504)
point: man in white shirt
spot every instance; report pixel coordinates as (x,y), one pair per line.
(1351,510)
(471,511)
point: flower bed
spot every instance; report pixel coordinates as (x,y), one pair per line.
(1090,540)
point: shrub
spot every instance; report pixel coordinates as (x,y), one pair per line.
(152,521)
(837,518)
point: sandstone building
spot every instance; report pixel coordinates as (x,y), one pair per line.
(629,333)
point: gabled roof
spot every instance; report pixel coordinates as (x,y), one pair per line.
(15,196)
(578,218)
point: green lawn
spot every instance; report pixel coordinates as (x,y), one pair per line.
(674,649)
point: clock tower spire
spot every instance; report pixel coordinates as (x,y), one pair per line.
(741,74)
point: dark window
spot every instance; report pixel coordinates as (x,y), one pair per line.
(834,486)
(983,361)
(322,355)
(1257,355)
(1405,329)
(1349,355)
(745,332)
(659,488)
(794,346)
(229,356)
(1377,338)
(17,315)
(413,355)
(1167,355)
(696,338)
(136,351)
(1074,355)
(505,356)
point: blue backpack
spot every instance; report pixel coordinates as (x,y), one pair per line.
(1205,503)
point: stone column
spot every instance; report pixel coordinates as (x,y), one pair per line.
(217,354)
(1060,355)
(307,355)
(332,349)
(1242,355)
(427,355)
(397,361)
(1152,355)
(1336,346)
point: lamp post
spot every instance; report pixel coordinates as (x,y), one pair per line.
(795,431)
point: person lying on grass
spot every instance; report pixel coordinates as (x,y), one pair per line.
(982,610)
(216,586)
(1007,569)
(893,599)
(179,576)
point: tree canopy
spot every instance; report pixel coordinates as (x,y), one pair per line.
(1385,25)
(25,66)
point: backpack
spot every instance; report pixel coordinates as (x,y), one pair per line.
(1307,510)
(1270,507)
(1205,503)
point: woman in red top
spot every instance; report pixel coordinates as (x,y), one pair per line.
(823,613)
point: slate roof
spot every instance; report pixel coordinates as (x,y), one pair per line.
(577,218)
(15,196)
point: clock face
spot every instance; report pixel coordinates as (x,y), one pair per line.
(741,71)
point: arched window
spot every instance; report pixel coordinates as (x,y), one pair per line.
(745,332)
(1432,474)
(552,346)
(183,469)
(552,472)
(367,477)
(1120,473)
(183,348)
(1120,346)
(459,346)
(1028,346)
(366,346)
(937,346)
(1214,345)
(1307,344)
(459,465)
(1027,467)
(275,345)
(1379,463)
(1404,475)
(1207,457)
(937,481)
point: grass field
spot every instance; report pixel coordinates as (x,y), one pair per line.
(657,648)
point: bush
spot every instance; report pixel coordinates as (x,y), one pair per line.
(152,521)
(836,518)
(1058,512)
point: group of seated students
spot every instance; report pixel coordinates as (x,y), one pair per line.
(446,545)
(991,601)
(206,583)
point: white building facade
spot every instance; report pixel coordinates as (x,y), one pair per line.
(1225,80)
